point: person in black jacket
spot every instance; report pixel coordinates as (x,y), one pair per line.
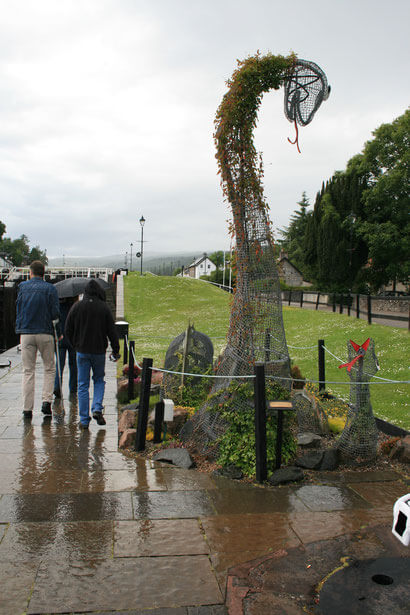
(89,323)
(65,349)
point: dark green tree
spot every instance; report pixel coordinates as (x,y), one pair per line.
(18,251)
(385,226)
(293,236)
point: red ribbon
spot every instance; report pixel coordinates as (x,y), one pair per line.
(296,141)
(361,350)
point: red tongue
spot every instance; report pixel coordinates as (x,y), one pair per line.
(351,363)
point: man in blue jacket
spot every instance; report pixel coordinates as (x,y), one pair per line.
(37,308)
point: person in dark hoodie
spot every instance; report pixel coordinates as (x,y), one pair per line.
(88,328)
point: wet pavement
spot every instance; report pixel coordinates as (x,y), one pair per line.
(85,529)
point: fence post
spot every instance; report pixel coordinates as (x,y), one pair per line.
(267,345)
(260,423)
(357,306)
(369,309)
(143,405)
(301,298)
(341,304)
(317,300)
(334,302)
(290,297)
(159,418)
(349,301)
(131,371)
(321,362)
(125,353)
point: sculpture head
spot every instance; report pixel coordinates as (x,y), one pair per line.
(305,90)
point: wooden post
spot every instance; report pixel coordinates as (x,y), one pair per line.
(260,422)
(357,306)
(185,352)
(341,305)
(280,407)
(131,371)
(159,418)
(349,301)
(369,309)
(321,363)
(317,300)
(301,298)
(290,297)
(143,405)
(334,303)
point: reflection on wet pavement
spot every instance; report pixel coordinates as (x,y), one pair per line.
(78,518)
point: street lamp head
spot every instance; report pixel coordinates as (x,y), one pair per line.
(142,220)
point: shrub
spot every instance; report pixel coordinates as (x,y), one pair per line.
(237,445)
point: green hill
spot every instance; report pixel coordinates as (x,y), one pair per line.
(159,308)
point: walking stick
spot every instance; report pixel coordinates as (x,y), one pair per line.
(58,364)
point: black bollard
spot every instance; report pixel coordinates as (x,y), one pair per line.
(125,354)
(260,422)
(159,418)
(321,365)
(131,372)
(143,405)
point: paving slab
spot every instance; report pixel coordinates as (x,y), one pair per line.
(256,500)
(123,583)
(17,580)
(172,504)
(377,493)
(65,507)
(324,497)
(57,541)
(249,532)
(158,538)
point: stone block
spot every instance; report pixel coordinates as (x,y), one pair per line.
(127,439)
(126,421)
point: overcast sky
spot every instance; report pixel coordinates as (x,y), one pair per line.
(107,110)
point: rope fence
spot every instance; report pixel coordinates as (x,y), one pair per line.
(131,351)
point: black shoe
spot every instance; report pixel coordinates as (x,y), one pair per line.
(46,408)
(27,415)
(99,418)
(82,425)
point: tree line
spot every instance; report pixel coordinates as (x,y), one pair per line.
(357,237)
(18,251)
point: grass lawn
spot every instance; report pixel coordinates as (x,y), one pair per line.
(159,308)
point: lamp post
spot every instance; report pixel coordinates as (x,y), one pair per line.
(131,257)
(142,222)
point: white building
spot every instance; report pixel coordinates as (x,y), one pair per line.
(200,266)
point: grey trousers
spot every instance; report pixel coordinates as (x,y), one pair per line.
(30,345)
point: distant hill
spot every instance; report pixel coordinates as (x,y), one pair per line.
(152,261)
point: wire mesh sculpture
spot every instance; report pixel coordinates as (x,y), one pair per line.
(358,439)
(190,352)
(256,331)
(310,415)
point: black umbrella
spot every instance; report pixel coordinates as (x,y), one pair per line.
(72,287)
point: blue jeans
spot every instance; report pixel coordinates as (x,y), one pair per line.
(86,363)
(63,351)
